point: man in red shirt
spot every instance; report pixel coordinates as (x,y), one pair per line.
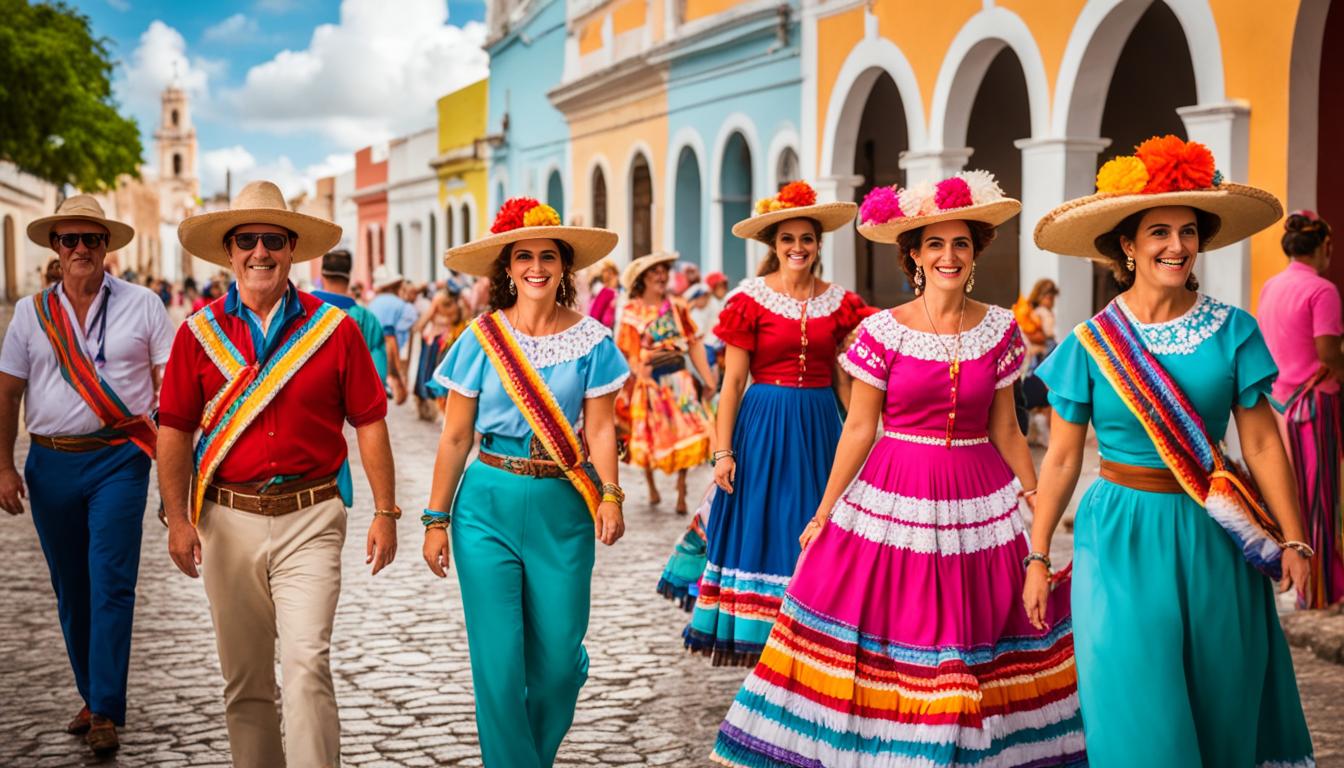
(268,375)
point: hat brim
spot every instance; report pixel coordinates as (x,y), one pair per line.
(118,235)
(831,216)
(478,257)
(1074,227)
(643,264)
(993,214)
(203,234)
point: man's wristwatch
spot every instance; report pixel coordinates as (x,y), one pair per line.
(394,512)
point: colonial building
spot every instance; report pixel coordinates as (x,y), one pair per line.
(178,182)
(22,199)
(413,205)
(370,197)
(460,165)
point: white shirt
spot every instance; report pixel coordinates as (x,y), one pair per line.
(138,338)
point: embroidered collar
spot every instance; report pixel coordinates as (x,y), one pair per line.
(1184,334)
(572,343)
(784,305)
(922,345)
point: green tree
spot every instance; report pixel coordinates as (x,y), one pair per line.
(57,118)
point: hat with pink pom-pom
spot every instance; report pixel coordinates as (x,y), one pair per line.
(886,212)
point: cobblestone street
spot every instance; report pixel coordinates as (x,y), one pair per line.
(400,654)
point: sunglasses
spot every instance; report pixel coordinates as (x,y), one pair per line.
(246,241)
(90,239)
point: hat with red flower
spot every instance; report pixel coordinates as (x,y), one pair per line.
(887,212)
(523,218)
(1163,171)
(795,200)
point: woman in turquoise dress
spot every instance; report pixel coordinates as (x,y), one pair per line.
(521,525)
(1181,660)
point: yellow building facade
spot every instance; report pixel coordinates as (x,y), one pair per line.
(461,163)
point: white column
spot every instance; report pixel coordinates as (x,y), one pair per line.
(1055,170)
(1226,130)
(933,164)
(837,248)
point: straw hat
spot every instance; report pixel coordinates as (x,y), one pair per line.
(80,208)
(260,202)
(522,218)
(643,264)
(384,276)
(887,212)
(797,200)
(1164,171)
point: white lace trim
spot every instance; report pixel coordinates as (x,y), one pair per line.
(927,540)
(1184,334)
(975,342)
(444,381)
(607,388)
(784,305)
(957,442)
(570,344)
(858,371)
(722,575)
(1306,762)
(930,512)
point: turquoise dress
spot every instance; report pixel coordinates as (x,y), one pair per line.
(1181,659)
(523,547)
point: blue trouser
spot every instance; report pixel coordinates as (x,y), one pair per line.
(88,509)
(523,550)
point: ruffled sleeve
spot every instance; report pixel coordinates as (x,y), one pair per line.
(627,335)
(1011,356)
(868,359)
(738,322)
(688,324)
(606,369)
(852,311)
(1253,367)
(1067,373)
(463,369)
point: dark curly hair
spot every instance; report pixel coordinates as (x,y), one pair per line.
(1303,233)
(982,235)
(1206,224)
(502,298)
(770,264)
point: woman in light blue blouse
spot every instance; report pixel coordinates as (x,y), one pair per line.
(522,527)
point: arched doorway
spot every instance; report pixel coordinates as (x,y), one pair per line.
(599,198)
(787,168)
(1329,127)
(735,198)
(555,193)
(448,216)
(370,252)
(1000,115)
(401,250)
(11,259)
(433,247)
(686,235)
(641,208)
(1155,70)
(466,223)
(881,139)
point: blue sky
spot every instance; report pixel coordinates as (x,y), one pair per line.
(285,89)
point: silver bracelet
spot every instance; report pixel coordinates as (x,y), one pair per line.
(1300,547)
(1035,557)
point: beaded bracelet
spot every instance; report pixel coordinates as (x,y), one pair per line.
(1300,547)
(726,453)
(1036,557)
(435,519)
(442,525)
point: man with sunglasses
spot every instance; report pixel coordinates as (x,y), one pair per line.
(268,375)
(94,347)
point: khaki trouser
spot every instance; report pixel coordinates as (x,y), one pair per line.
(269,577)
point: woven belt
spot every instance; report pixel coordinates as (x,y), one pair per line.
(1151,479)
(279,500)
(957,442)
(75,443)
(520,466)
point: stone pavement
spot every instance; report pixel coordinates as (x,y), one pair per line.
(400,655)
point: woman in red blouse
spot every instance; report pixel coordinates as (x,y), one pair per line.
(776,438)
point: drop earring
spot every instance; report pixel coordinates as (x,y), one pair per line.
(513,289)
(919,280)
(1129,263)
(970,282)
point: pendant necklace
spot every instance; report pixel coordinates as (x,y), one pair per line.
(954,368)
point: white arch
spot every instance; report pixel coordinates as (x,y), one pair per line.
(686,137)
(596,162)
(968,58)
(1093,50)
(544,185)
(785,138)
(637,148)
(869,59)
(1304,76)
(498,180)
(473,217)
(736,122)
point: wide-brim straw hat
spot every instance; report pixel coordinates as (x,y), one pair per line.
(385,276)
(260,202)
(512,225)
(80,208)
(993,214)
(1075,227)
(971,195)
(831,216)
(643,264)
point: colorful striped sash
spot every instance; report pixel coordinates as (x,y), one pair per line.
(1177,431)
(119,424)
(248,387)
(529,392)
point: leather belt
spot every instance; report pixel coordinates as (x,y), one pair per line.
(75,443)
(280,499)
(520,466)
(1151,479)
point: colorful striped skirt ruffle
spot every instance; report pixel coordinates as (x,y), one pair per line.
(1313,425)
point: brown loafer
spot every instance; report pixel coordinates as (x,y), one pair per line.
(80,725)
(102,736)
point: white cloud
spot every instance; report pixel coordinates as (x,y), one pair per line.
(373,76)
(232,28)
(244,167)
(160,59)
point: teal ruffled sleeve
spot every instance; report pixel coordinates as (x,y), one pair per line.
(1253,366)
(606,369)
(463,370)
(1068,374)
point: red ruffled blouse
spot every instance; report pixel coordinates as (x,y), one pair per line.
(768,325)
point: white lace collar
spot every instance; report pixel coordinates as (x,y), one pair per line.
(570,344)
(1181,335)
(922,345)
(822,305)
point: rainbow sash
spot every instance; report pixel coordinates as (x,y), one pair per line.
(119,424)
(534,399)
(248,387)
(1172,423)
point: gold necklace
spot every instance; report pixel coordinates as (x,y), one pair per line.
(802,324)
(954,369)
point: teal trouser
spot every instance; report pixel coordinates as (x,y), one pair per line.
(523,550)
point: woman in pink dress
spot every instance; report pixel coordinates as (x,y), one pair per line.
(902,640)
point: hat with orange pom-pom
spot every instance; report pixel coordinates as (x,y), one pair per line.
(795,200)
(522,218)
(1163,171)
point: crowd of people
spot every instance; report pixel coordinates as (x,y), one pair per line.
(875,543)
